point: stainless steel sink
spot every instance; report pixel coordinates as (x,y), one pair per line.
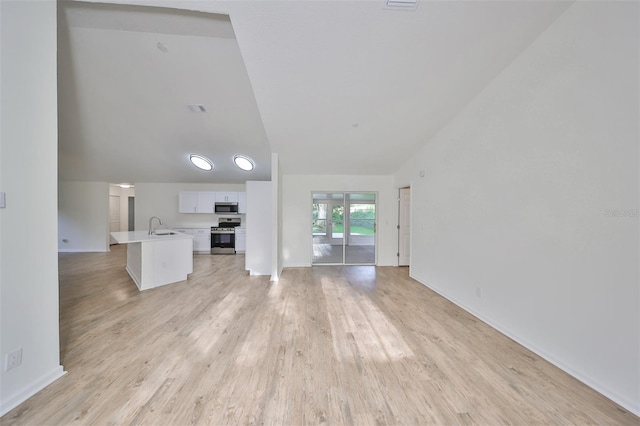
(163,233)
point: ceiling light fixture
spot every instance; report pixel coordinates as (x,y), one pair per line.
(401,4)
(125,185)
(203,163)
(243,162)
(197,108)
(161,47)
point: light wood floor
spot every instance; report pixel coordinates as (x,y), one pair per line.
(325,345)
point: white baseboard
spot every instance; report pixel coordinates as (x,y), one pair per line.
(621,400)
(12,401)
(134,278)
(81,251)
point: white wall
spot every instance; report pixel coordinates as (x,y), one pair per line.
(161,199)
(531,194)
(276,217)
(297,215)
(84,210)
(259,257)
(83,216)
(28,261)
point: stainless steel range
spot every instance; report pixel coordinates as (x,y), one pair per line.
(223,236)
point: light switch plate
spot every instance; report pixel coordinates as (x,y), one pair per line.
(3,200)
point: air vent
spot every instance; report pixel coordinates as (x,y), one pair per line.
(402,4)
(197,108)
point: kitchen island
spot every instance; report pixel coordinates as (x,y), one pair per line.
(158,259)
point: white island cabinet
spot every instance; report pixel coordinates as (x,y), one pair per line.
(241,240)
(157,259)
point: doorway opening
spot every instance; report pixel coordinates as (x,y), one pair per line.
(131,213)
(343,228)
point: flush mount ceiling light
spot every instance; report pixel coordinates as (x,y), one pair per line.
(201,162)
(125,185)
(243,162)
(401,4)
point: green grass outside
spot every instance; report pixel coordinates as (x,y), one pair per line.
(360,230)
(339,229)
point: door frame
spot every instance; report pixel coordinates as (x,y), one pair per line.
(404,226)
(345,203)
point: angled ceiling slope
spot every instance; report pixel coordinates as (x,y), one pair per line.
(126,77)
(333,87)
(352,87)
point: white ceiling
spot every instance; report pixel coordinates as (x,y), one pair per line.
(294,80)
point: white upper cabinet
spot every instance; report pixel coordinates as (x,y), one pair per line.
(242,202)
(188,202)
(196,201)
(227,197)
(241,240)
(206,201)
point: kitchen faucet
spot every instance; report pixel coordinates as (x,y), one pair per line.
(151,230)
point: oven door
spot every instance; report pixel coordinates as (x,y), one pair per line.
(223,242)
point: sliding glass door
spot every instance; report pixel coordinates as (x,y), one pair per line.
(344,228)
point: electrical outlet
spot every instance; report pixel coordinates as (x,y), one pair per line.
(479,292)
(14,359)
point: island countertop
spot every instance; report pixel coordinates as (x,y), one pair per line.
(125,237)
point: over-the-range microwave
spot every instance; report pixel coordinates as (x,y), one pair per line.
(226,208)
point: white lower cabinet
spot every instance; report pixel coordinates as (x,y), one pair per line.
(202,240)
(241,240)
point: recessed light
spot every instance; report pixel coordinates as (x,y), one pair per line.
(244,162)
(355,125)
(201,162)
(197,108)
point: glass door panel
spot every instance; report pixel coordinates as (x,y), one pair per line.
(320,219)
(361,238)
(344,228)
(337,223)
(328,228)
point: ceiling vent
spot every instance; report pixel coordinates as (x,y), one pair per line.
(197,108)
(401,4)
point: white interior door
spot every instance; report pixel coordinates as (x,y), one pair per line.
(114,213)
(114,216)
(404,227)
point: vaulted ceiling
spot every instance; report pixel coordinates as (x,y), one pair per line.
(333,87)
